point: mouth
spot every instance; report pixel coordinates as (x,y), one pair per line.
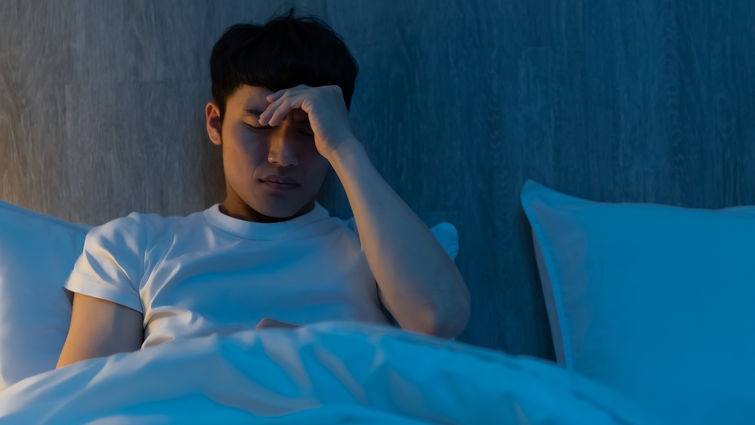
(279,186)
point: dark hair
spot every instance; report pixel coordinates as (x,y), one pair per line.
(283,53)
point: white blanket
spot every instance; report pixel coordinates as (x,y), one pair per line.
(330,372)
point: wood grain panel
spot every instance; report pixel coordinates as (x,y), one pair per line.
(457,103)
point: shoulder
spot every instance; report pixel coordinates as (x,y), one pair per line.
(134,229)
(128,224)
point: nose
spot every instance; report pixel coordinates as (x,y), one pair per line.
(283,146)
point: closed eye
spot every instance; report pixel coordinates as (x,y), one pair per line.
(258,128)
(267,127)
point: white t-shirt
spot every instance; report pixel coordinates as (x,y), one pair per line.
(209,272)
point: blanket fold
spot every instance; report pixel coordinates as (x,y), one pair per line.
(328,372)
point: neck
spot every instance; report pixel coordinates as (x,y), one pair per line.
(242,211)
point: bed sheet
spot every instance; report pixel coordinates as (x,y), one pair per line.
(329,372)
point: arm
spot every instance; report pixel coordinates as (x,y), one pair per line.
(100,328)
(417,281)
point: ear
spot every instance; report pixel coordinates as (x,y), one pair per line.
(212,113)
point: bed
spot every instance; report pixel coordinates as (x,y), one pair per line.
(648,321)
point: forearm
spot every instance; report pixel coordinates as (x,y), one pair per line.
(420,284)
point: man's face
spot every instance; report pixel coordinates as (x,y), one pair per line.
(252,153)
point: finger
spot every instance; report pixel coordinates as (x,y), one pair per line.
(281,324)
(290,325)
(281,111)
(269,322)
(266,322)
(274,96)
(265,116)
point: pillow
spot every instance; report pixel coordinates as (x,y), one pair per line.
(37,252)
(656,301)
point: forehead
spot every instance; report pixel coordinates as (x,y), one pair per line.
(249,97)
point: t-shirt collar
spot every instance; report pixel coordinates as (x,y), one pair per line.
(262,231)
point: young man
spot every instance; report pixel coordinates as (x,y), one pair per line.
(269,254)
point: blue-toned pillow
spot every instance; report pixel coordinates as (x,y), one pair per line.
(654,300)
(37,252)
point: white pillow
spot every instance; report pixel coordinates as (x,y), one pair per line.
(37,252)
(653,300)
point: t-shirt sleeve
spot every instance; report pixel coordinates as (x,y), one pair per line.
(111,264)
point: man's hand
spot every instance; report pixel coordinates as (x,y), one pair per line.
(325,108)
(269,322)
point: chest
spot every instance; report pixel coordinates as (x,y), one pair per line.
(327,276)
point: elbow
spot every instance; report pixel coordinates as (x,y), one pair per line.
(451,325)
(445,317)
(436,325)
(451,321)
(453,311)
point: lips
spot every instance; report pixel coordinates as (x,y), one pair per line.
(280,179)
(279,187)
